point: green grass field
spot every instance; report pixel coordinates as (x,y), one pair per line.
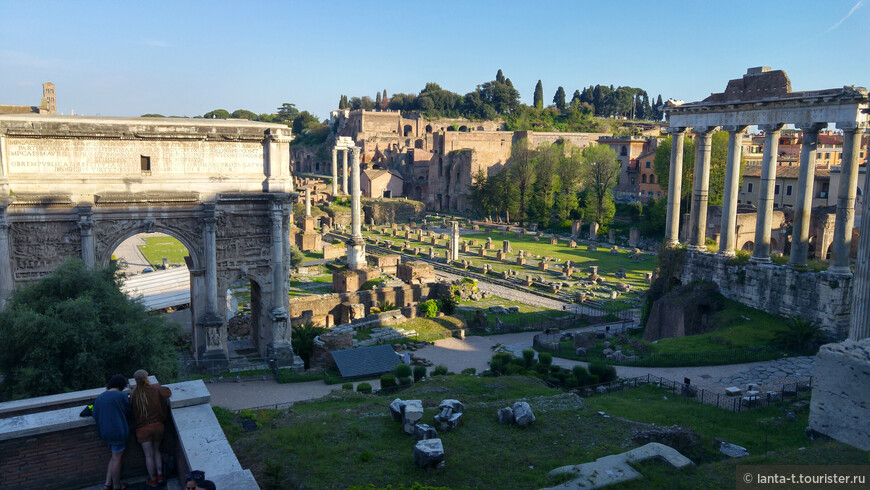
(319,284)
(355,442)
(157,247)
(582,258)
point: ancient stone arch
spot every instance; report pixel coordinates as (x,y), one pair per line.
(79,186)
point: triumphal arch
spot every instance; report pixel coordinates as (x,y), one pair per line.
(75,186)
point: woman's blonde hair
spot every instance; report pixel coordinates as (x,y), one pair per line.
(140,402)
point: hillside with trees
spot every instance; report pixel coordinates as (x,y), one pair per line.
(500,99)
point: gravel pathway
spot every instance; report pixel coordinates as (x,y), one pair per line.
(511,294)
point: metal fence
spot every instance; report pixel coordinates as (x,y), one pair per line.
(785,392)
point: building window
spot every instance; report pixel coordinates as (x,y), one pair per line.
(739,201)
(624,150)
(145,164)
(643,179)
(776,189)
(647,164)
(788,190)
(749,187)
(749,202)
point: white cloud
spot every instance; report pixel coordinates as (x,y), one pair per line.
(852,11)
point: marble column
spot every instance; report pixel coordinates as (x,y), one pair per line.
(278,345)
(859,327)
(5,259)
(211,319)
(454,240)
(335,171)
(846,200)
(698,226)
(800,237)
(86,229)
(356,247)
(344,171)
(308,202)
(761,252)
(729,196)
(675,187)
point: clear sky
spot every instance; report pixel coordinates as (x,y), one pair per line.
(187,57)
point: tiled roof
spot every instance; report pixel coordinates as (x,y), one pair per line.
(783,172)
(366,361)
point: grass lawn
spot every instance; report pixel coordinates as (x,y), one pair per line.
(528,315)
(157,247)
(428,330)
(319,284)
(354,442)
(742,332)
(764,432)
(582,258)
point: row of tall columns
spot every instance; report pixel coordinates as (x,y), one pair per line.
(356,248)
(701,191)
(860,317)
(675,187)
(803,208)
(800,238)
(764,219)
(846,193)
(344,152)
(732,185)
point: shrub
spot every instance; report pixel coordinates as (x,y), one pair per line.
(469,371)
(555,369)
(405,380)
(347,386)
(603,372)
(419,372)
(364,388)
(545,358)
(529,356)
(386,306)
(449,303)
(800,333)
(592,379)
(302,340)
(365,457)
(440,370)
(580,373)
(388,381)
(402,370)
(429,308)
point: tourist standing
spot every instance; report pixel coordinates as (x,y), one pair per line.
(112,413)
(150,411)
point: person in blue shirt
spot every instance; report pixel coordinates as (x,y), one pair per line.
(112,413)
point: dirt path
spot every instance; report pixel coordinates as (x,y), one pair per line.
(511,294)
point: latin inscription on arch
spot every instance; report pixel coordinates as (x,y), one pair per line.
(102,157)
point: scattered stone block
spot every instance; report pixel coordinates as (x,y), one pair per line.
(412,412)
(455,405)
(523,414)
(425,431)
(733,391)
(429,453)
(396,409)
(505,416)
(733,450)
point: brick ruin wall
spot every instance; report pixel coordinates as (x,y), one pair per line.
(325,305)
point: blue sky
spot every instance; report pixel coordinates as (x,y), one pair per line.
(187,58)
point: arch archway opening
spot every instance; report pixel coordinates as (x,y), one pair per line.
(156,270)
(244,317)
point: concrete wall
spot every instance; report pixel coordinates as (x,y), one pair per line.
(775,289)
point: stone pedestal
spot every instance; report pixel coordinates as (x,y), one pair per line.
(543,266)
(521,260)
(633,236)
(575,228)
(611,236)
(554,240)
(500,255)
(572,244)
(593,231)
(841,388)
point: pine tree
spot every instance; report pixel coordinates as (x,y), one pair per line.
(539,96)
(378,100)
(499,77)
(559,98)
(385,101)
(647,110)
(576,99)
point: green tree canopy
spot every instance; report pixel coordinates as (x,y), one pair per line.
(559,99)
(601,171)
(287,112)
(73,329)
(243,114)
(538,100)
